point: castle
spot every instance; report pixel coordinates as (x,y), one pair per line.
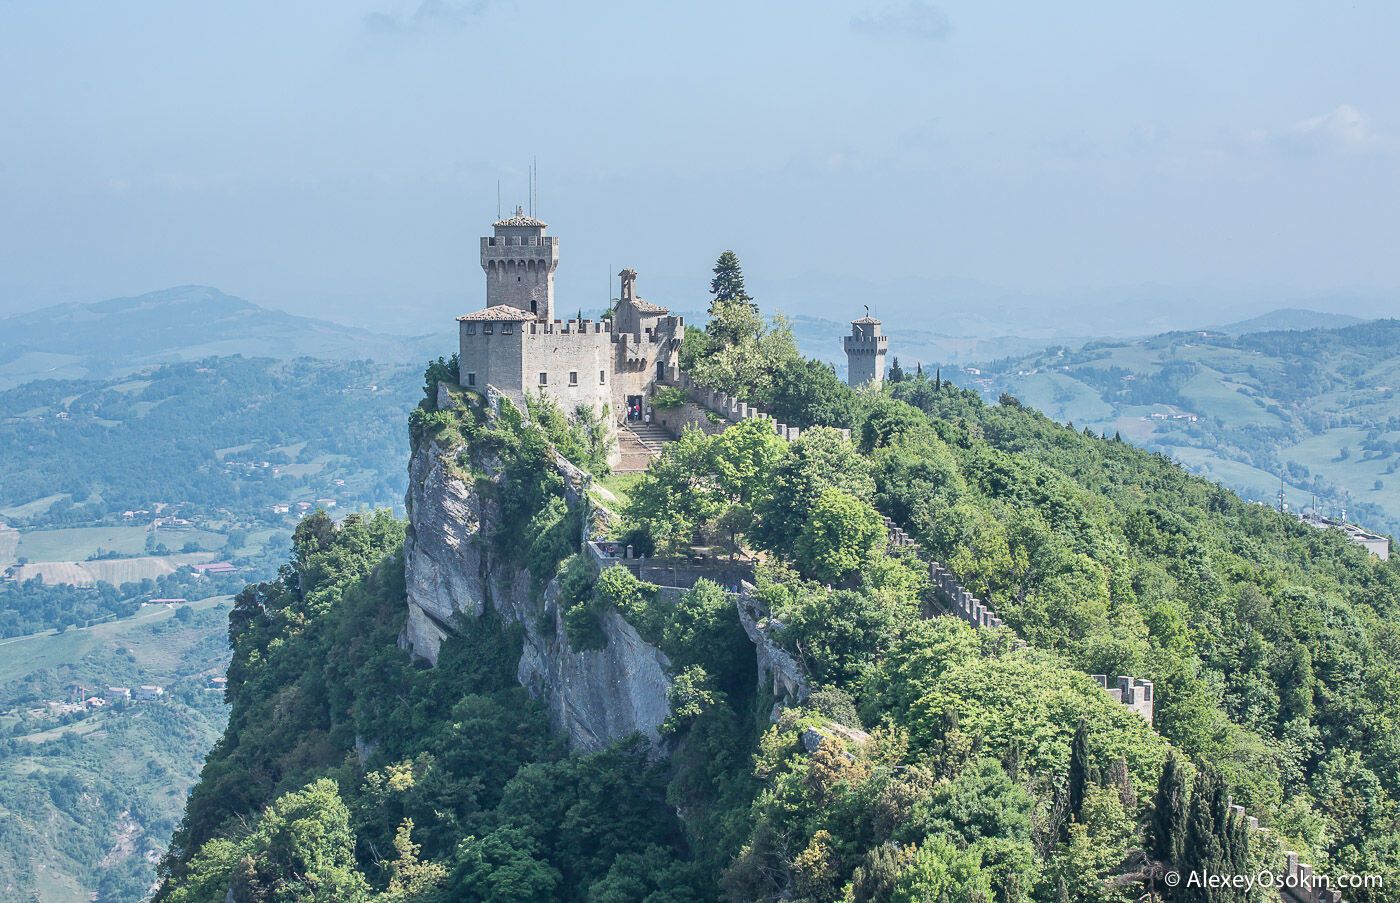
(516,345)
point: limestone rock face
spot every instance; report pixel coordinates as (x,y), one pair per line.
(594,697)
(776,666)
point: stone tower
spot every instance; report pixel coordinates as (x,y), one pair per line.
(520,261)
(865,352)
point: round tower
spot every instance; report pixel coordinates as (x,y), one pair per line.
(519,261)
(865,352)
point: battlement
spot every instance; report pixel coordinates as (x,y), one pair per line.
(1133,692)
(571,327)
(872,341)
(506,248)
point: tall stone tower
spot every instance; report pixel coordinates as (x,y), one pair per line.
(520,261)
(865,352)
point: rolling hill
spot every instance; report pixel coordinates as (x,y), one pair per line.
(1314,408)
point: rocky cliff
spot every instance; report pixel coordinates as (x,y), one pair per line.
(453,578)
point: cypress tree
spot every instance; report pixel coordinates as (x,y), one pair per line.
(937,378)
(1168,813)
(1012,759)
(1201,850)
(896,372)
(1078,770)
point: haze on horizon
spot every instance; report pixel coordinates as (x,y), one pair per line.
(1174,164)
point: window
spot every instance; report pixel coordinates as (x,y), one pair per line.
(486,328)
(471,328)
(544,378)
(507,329)
(602,377)
(573,377)
(471,379)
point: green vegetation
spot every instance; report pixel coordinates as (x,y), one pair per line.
(931,761)
(86,796)
(1314,408)
(34,606)
(141,478)
(195,435)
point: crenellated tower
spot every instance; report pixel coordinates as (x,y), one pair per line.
(865,352)
(519,261)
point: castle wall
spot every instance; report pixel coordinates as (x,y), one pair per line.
(571,347)
(492,358)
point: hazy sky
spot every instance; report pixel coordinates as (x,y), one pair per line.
(341,158)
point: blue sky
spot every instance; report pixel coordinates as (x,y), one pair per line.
(340,158)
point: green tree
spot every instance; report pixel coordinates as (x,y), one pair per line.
(301,850)
(1078,783)
(940,871)
(841,534)
(728,283)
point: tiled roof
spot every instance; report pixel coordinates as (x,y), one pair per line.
(501,312)
(866,319)
(646,307)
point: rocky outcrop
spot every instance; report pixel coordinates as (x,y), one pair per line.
(594,697)
(776,666)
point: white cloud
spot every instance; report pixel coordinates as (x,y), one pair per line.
(1345,129)
(914,19)
(426,15)
(1346,126)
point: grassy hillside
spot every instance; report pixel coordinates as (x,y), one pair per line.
(87,801)
(1317,408)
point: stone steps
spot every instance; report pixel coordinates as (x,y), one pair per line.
(652,435)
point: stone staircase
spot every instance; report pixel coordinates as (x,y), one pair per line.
(639,444)
(653,435)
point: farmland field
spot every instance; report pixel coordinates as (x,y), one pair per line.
(80,543)
(115,571)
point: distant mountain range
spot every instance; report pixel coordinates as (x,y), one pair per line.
(189,322)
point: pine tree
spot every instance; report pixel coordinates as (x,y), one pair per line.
(1168,813)
(728,284)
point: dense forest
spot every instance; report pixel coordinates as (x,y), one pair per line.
(931,761)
